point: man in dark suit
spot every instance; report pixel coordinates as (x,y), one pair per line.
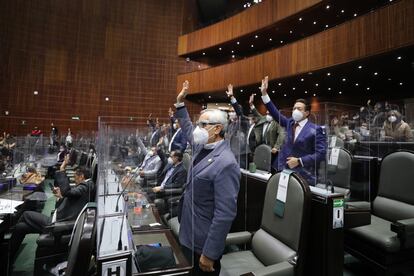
(306,143)
(68,207)
(177,141)
(209,202)
(174,174)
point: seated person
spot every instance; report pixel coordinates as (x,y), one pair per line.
(150,166)
(174,175)
(396,129)
(31,177)
(68,206)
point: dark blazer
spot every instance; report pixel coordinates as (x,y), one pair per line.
(237,132)
(209,202)
(69,207)
(179,142)
(154,138)
(177,178)
(310,145)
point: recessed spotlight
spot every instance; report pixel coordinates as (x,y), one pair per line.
(316,84)
(107,99)
(187,59)
(344,79)
(327,7)
(241,90)
(300,18)
(329,88)
(399,58)
(342,11)
(293,88)
(376,74)
(314,22)
(356,84)
(302,79)
(273,91)
(368,88)
(284,95)
(280,84)
(355,15)
(220,49)
(232,51)
(328,74)
(233,56)
(401,83)
(314,95)
(204,54)
(310,73)
(238,42)
(326,26)
(389,79)
(281,41)
(290,31)
(35,92)
(6,113)
(360,67)
(209,97)
(306,92)
(340,92)
(256,36)
(270,39)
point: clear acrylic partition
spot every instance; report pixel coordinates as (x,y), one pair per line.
(131,214)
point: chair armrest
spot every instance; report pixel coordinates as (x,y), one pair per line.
(405,231)
(363,205)
(173,191)
(238,238)
(173,200)
(59,228)
(280,269)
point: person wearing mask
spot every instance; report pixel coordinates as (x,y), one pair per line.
(268,131)
(150,166)
(69,139)
(68,207)
(396,129)
(306,143)
(177,141)
(209,202)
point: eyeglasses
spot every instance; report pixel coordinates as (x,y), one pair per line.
(204,123)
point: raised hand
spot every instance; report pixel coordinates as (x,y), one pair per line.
(170,112)
(251,99)
(184,92)
(263,87)
(229,91)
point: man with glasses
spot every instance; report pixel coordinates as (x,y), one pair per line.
(305,146)
(209,203)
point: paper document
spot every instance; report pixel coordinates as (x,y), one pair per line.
(7,206)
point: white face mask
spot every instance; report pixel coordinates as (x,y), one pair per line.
(297,115)
(175,126)
(170,161)
(151,153)
(269,118)
(392,119)
(200,136)
(232,116)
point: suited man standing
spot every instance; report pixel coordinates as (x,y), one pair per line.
(306,143)
(209,202)
(68,207)
(178,141)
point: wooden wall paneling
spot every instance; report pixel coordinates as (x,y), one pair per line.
(377,32)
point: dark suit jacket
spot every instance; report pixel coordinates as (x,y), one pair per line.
(275,134)
(310,145)
(154,138)
(69,207)
(177,179)
(179,142)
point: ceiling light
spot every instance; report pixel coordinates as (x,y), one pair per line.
(293,88)
(220,49)
(233,56)
(256,36)
(389,79)
(204,54)
(290,32)
(326,26)
(273,91)
(356,84)
(232,51)
(340,92)
(401,83)
(302,79)
(306,92)
(300,18)
(241,90)
(270,39)
(368,88)
(399,57)
(216,104)
(329,88)
(360,67)
(309,73)
(280,84)
(35,93)
(342,11)
(327,7)
(355,15)
(314,22)
(316,84)
(314,95)
(252,45)
(238,42)
(344,79)
(376,73)
(284,95)
(107,99)
(209,97)
(6,112)
(328,74)
(281,41)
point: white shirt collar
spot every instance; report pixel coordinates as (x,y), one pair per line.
(303,122)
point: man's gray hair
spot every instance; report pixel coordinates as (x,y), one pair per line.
(217,116)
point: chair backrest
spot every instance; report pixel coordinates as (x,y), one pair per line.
(281,238)
(186,160)
(263,157)
(395,199)
(94,170)
(340,174)
(82,242)
(83,159)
